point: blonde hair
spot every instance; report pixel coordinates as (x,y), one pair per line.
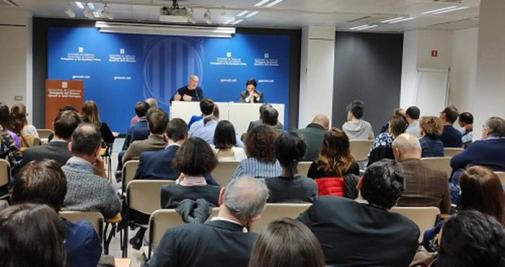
(431,125)
(90,112)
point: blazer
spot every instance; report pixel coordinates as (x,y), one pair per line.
(171,195)
(254,124)
(139,131)
(431,147)
(291,189)
(153,142)
(82,244)
(451,137)
(356,234)
(424,187)
(213,244)
(244,97)
(314,135)
(56,150)
(489,153)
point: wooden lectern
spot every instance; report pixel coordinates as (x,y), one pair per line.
(62,93)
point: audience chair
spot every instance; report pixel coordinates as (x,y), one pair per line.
(95,218)
(452,151)
(360,149)
(439,163)
(4,177)
(129,169)
(424,217)
(223,172)
(501,175)
(163,219)
(275,211)
(44,135)
(303,167)
(143,196)
(107,157)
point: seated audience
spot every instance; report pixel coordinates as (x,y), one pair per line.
(226,143)
(314,135)
(412,116)
(26,132)
(424,187)
(335,160)
(205,127)
(481,190)
(261,161)
(465,121)
(259,122)
(8,148)
(381,148)
(158,164)
(290,186)
(140,130)
(472,239)
(193,160)
(224,240)
(152,102)
(43,182)
(87,186)
(431,129)
(271,117)
(206,105)
(57,149)
(359,234)
(90,115)
(6,125)
(32,235)
(450,136)
(157,120)
(488,152)
(355,127)
(286,243)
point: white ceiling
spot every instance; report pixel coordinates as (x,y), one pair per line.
(344,14)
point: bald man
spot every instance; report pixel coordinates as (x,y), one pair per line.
(190,92)
(424,187)
(314,134)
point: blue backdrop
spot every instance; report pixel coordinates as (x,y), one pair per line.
(120,69)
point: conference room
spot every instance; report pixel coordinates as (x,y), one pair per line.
(252,132)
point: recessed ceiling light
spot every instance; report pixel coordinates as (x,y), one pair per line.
(439,9)
(237,21)
(70,13)
(96,14)
(393,19)
(229,21)
(450,10)
(274,3)
(79,4)
(363,27)
(252,14)
(397,20)
(91,6)
(242,13)
(262,2)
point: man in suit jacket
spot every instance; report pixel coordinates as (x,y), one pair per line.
(158,121)
(254,124)
(314,135)
(424,187)
(225,239)
(358,234)
(450,136)
(64,125)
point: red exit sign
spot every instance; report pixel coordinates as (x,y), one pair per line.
(434,53)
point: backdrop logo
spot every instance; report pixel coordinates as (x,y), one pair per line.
(80,56)
(122,57)
(229,60)
(266,61)
(168,64)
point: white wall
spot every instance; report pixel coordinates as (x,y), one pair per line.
(15,55)
(316,73)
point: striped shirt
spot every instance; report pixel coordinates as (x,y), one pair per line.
(254,168)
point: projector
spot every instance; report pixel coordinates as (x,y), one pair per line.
(174,15)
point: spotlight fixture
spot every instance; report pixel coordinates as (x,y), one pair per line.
(88,13)
(106,13)
(207,17)
(70,13)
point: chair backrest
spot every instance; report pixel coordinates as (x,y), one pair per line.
(95,218)
(303,167)
(163,219)
(424,217)
(275,211)
(129,169)
(44,133)
(330,186)
(223,171)
(451,151)
(360,149)
(4,172)
(501,175)
(145,195)
(439,163)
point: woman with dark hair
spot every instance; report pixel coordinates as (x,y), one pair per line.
(6,125)
(250,94)
(287,243)
(225,143)
(32,235)
(290,186)
(90,115)
(27,133)
(9,143)
(194,160)
(261,161)
(431,130)
(481,190)
(335,161)
(382,146)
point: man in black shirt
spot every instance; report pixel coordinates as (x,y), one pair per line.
(190,92)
